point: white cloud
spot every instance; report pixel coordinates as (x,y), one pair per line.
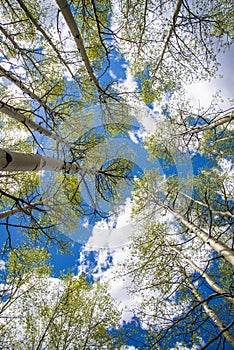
(180,346)
(133,137)
(2,265)
(129,84)
(226,166)
(119,282)
(112,241)
(148,119)
(112,74)
(86,224)
(202,92)
(113,234)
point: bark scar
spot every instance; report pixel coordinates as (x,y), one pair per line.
(8,159)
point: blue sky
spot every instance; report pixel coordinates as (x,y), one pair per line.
(97,261)
(95,255)
(201,94)
(89,260)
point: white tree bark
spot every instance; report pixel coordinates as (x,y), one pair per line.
(203,274)
(46,36)
(23,87)
(16,161)
(24,209)
(169,35)
(223,213)
(14,113)
(227,334)
(227,118)
(68,16)
(215,244)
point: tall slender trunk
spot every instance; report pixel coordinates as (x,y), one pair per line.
(24,88)
(14,113)
(16,161)
(227,118)
(169,35)
(223,213)
(215,244)
(227,334)
(68,16)
(24,209)
(46,36)
(203,274)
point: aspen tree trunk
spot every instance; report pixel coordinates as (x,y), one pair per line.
(46,36)
(17,82)
(170,33)
(203,274)
(16,161)
(226,119)
(215,244)
(227,334)
(13,113)
(24,209)
(223,213)
(68,16)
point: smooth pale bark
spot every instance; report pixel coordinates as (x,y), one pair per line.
(25,209)
(17,82)
(171,30)
(215,244)
(14,113)
(227,334)
(227,118)
(16,161)
(68,16)
(223,213)
(46,36)
(203,274)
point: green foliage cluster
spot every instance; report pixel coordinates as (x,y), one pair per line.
(59,85)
